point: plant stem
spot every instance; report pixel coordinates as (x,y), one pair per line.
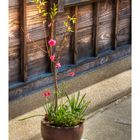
(54,71)
(56,88)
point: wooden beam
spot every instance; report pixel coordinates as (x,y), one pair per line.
(96,10)
(115,23)
(23,33)
(69,3)
(73,38)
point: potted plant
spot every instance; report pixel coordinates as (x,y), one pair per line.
(62,120)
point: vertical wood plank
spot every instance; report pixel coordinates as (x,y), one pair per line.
(48,37)
(73,38)
(96,10)
(130,40)
(23,33)
(50,33)
(115,23)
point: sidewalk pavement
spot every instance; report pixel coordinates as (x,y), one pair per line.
(110,123)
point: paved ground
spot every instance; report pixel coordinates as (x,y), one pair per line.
(112,122)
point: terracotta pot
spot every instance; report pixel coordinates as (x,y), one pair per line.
(49,132)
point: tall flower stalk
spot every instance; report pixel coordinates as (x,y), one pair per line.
(51,13)
(71,112)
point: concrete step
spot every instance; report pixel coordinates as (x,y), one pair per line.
(100,94)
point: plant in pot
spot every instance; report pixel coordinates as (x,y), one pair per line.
(62,120)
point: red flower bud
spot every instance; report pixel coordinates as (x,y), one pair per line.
(47,94)
(52,57)
(52,42)
(72,74)
(57,65)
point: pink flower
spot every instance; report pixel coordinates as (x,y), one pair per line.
(52,42)
(72,74)
(52,57)
(57,65)
(47,94)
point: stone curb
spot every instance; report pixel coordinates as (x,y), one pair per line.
(109,90)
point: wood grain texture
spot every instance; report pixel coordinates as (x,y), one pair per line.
(124,23)
(84,35)
(37,59)
(67,3)
(65,56)
(105,28)
(130,25)
(14,34)
(13,3)
(16,3)
(23,41)
(60,30)
(14,71)
(14,64)
(115,23)
(96,7)
(37,62)
(73,37)
(34,24)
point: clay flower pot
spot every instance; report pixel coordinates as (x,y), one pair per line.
(49,132)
